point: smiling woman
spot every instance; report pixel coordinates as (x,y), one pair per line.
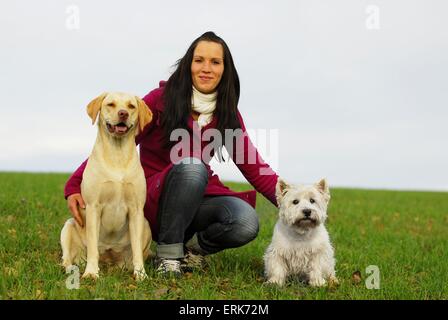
(207,66)
(205,82)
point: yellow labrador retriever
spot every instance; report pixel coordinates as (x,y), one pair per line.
(114,191)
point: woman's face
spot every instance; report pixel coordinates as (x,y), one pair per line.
(207,66)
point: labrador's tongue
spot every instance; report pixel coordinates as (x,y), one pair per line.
(121,129)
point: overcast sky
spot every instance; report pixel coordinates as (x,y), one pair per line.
(358,90)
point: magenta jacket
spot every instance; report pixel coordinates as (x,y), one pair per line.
(156,164)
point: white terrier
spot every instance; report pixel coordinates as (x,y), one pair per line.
(300,243)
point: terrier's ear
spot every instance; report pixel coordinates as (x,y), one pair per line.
(144,114)
(323,188)
(94,106)
(281,189)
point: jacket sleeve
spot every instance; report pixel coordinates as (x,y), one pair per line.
(246,157)
(73,184)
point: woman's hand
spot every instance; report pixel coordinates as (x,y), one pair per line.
(74,201)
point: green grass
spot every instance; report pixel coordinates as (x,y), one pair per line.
(404,233)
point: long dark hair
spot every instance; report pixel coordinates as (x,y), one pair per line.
(178,92)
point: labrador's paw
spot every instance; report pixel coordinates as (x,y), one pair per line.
(140,275)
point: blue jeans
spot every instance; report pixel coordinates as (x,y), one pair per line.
(210,223)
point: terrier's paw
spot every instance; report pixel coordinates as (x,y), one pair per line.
(274,281)
(333,281)
(317,282)
(140,275)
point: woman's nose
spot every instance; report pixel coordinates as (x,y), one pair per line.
(206,67)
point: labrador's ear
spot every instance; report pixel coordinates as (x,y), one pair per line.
(281,189)
(144,114)
(94,106)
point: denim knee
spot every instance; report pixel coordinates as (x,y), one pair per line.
(245,227)
(225,222)
(248,226)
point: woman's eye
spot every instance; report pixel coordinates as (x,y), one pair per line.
(312,200)
(295,201)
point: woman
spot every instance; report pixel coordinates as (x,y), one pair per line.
(191,213)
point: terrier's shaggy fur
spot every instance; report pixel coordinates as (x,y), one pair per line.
(300,244)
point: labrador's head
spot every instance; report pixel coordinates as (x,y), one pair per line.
(120,113)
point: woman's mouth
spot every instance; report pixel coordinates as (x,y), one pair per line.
(205,78)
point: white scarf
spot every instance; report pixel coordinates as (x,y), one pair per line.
(204,104)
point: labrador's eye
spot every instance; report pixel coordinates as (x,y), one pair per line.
(111,104)
(295,201)
(312,200)
(131,106)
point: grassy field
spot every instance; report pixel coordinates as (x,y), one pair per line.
(405,234)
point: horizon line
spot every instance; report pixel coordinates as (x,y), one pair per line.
(410,189)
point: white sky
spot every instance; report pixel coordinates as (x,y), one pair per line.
(361,107)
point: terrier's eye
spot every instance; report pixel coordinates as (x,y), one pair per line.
(312,200)
(295,201)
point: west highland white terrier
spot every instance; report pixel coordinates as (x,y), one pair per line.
(300,244)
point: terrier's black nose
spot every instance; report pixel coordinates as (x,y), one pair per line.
(306,212)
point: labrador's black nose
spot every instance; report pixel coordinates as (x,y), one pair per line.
(123,115)
(306,212)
